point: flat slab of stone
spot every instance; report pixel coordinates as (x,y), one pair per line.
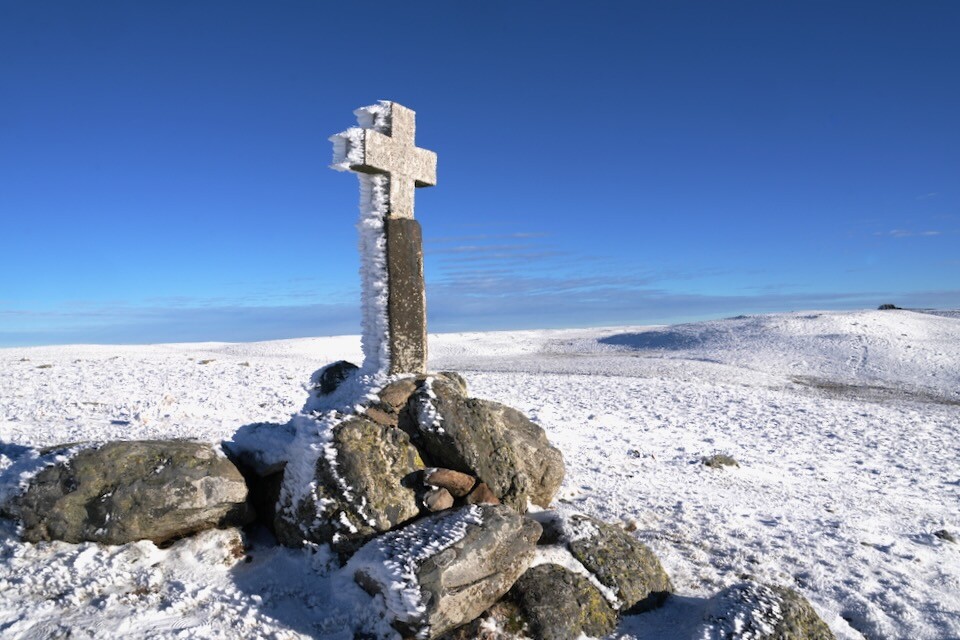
(124,491)
(444,570)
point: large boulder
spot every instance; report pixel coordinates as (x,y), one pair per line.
(619,561)
(443,571)
(491,441)
(120,492)
(557,604)
(761,612)
(365,483)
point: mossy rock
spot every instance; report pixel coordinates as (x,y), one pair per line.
(365,484)
(619,561)
(558,604)
(762,612)
(124,491)
(495,443)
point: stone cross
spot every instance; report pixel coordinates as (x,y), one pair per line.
(384,145)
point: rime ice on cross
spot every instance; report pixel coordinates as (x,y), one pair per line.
(384,146)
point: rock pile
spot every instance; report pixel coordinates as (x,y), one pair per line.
(439,505)
(419,446)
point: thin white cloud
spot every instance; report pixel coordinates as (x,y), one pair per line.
(484,237)
(906,233)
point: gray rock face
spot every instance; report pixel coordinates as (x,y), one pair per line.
(364,486)
(499,445)
(133,490)
(761,612)
(542,463)
(619,561)
(454,564)
(558,604)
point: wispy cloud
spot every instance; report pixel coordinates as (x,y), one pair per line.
(928,196)
(139,325)
(481,248)
(906,233)
(483,237)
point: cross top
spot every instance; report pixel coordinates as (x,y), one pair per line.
(384,143)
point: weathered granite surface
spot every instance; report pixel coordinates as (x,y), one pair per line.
(454,564)
(133,490)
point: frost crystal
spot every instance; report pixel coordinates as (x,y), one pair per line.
(427,415)
(348,151)
(18,466)
(748,612)
(375,338)
(393,559)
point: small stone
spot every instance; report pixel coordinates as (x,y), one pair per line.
(381,417)
(327,380)
(482,495)
(396,394)
(719,461)
(458,484)
(438,500)
(943,534)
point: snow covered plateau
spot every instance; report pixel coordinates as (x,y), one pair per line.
(845,426)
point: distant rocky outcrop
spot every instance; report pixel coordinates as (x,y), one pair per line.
(132,490)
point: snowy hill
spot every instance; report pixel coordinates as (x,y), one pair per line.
(846,426)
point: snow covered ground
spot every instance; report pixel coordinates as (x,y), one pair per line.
(846,426)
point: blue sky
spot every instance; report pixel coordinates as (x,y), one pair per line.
(163,165)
